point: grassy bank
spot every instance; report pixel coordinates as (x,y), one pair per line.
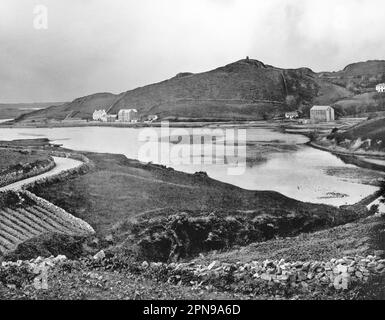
(149,212)
(164,214)
(13,159)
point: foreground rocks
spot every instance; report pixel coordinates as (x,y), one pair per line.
(275,276)
(269,278)
(23,273)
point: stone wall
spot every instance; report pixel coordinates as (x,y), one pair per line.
(69,218)
(278,277)
(26,171)
(86,165)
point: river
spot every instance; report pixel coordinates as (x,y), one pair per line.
(274,161)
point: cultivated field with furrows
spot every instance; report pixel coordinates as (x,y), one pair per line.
(22,217)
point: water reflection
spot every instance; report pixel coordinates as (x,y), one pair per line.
(275,161)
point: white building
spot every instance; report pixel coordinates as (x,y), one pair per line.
(128,115)
(112,117)
(150,118)
(380,87)
(322,114)
(99,115)
(292,115)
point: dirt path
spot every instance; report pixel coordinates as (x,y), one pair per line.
(61,164)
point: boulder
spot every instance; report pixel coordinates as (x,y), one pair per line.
(100,255)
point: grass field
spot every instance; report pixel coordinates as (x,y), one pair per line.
(119,189)
(159,213)
(119,194)
(9,159)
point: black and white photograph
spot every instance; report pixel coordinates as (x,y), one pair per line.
(193,155)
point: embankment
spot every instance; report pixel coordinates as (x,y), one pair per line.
(25,171)
(187,235)
(25,216)
(355,158)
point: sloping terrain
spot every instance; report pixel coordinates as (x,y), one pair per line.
(14,110)
(23,218)
(372,129)
(246,89)
(13,159)
(156,209)
(360,79)
(79,108)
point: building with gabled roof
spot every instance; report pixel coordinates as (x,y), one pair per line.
(99,115)
(380,87)
(322,114)
(128,115)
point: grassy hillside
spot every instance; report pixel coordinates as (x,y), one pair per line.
(158,213)
(79,108)
(246,89)
(372,129)
(15,159)
(358,77)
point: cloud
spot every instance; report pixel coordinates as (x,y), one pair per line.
(101,45)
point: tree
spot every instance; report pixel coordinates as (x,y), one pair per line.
(382,192)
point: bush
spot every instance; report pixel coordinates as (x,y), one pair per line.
(49,244)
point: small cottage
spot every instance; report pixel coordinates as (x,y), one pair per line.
(292,115)
(380,87)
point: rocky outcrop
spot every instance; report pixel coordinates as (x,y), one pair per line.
(269,279)
(24,272)
(187,235)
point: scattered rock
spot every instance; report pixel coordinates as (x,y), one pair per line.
(100,255)
(212,264)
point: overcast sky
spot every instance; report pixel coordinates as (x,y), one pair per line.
(115,45)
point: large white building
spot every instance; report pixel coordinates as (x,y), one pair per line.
(380,87)
(128,115)
(322,114)
(99,115)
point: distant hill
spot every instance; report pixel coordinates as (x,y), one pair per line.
(246,89)
(14,110)
(361,79)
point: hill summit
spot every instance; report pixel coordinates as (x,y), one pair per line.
(247,89)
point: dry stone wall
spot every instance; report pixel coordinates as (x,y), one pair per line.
(272,275)
(26,171)
(25,215)
(86,165)
(76,223)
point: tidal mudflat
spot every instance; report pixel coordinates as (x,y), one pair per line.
(275,161)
